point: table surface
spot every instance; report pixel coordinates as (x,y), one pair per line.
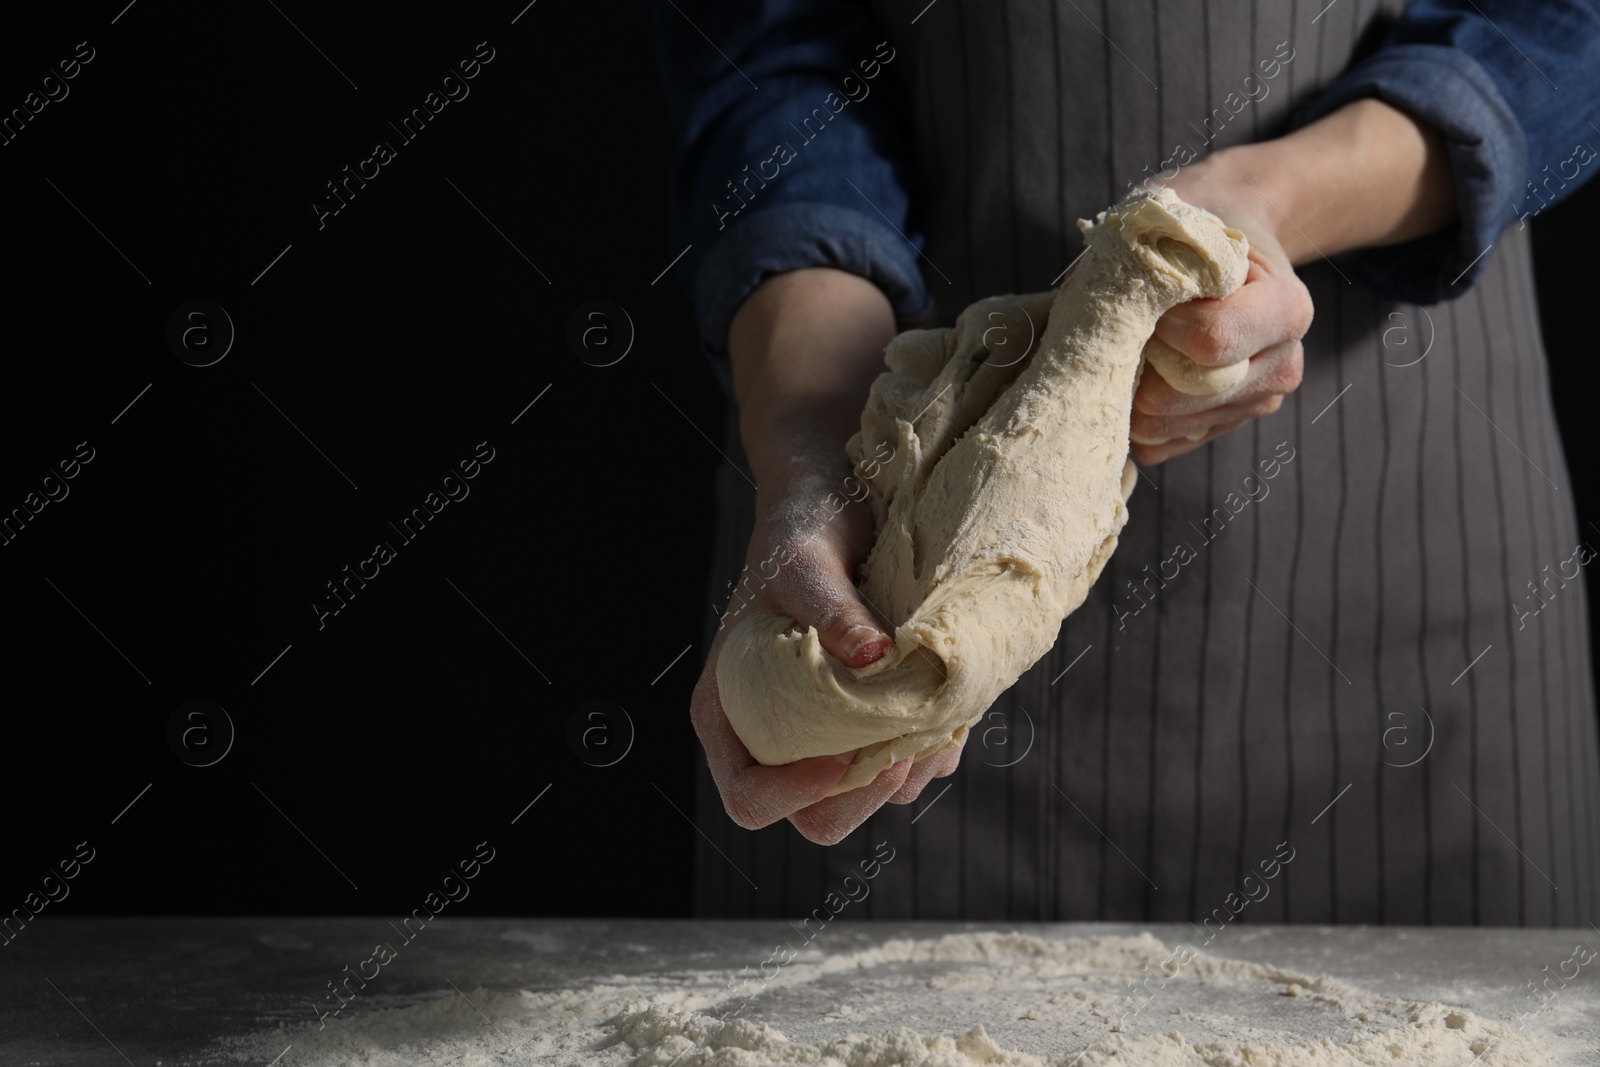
(164,990)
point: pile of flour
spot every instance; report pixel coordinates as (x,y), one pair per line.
(962,1000)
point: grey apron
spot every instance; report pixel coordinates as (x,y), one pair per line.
(1344,664)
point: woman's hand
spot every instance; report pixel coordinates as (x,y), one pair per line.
(1367,175)
(1261,322)
(797,523)
(805,347)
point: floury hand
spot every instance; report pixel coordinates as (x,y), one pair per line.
(805,348)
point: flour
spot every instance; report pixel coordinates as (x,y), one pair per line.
(962,1000)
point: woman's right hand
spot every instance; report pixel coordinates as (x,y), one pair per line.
(805,347)
(801,563)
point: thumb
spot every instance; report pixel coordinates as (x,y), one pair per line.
(824,596)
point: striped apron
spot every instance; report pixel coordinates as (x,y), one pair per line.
(1373,662)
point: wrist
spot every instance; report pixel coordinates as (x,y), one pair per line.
(1365,176)
(789,438)
(1246,187)
(805,347)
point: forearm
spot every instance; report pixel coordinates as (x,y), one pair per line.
(1366,176)
(805,348)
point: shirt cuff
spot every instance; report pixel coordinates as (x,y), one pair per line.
(1447,89)
(794,236)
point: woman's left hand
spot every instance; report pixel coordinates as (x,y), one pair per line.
(1262,322)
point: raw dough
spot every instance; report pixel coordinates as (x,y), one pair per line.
(1000,504)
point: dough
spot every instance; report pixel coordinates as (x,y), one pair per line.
(998,507)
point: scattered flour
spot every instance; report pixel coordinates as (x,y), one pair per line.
(962,1000)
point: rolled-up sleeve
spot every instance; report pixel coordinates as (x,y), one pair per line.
(1513,87)
(792,152)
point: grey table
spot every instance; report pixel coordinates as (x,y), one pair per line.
(71,990)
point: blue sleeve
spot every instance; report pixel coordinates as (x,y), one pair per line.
(792,152)
(1513,87)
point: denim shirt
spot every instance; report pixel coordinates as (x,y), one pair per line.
(1513,85)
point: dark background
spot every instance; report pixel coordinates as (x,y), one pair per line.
(424,717)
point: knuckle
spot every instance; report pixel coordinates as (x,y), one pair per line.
(745,812)
(1296,364)
(833,620)
(1302,310)
(701,710)
(907,793)
(819,830)
(1215,337)
(1288,373)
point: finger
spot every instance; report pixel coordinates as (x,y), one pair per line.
(1156,395)
(818,590)
(1275,371)
(939,765)
(1151,455)
(829,821)
(1267,310)
(755,795)
(1159,430)
(1187,376)
(1272,371)
(1282,370)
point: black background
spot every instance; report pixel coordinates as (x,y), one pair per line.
(380,749)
